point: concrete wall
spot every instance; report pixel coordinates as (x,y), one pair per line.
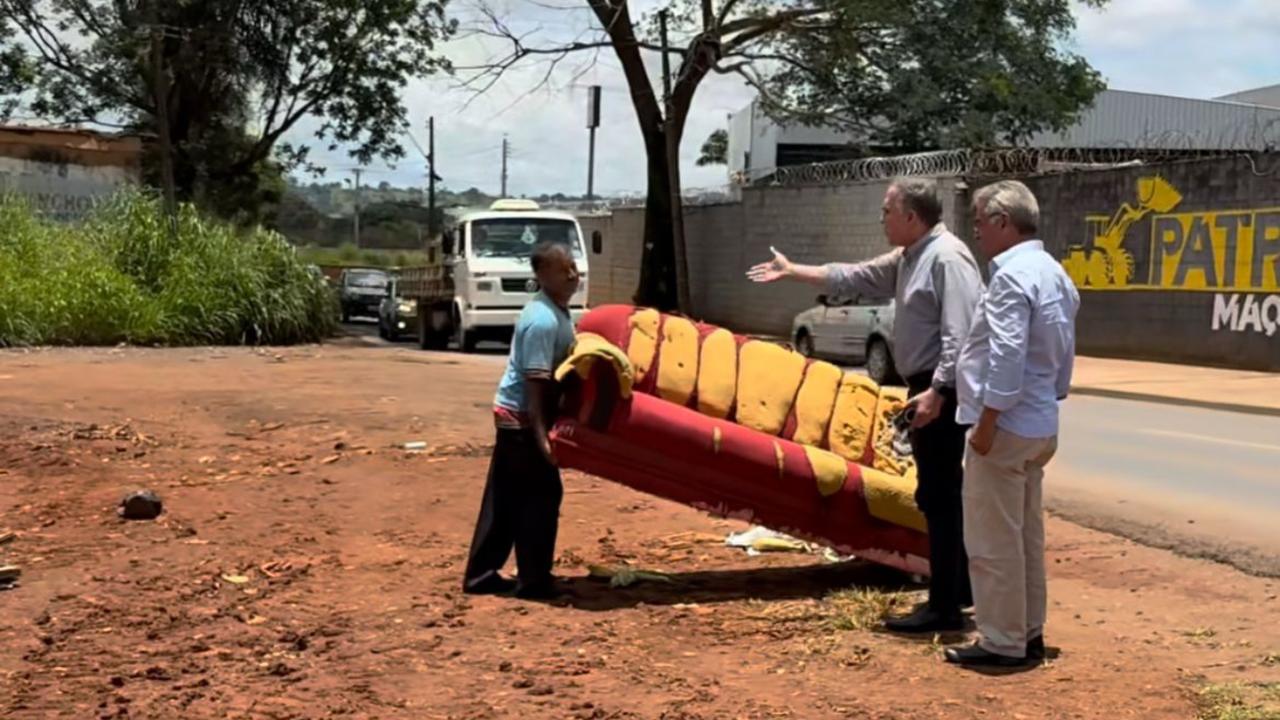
(62,173)
(809,225)
(1203,245)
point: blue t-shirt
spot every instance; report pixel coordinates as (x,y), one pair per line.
(543,336)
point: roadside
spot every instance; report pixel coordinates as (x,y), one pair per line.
(305,567)
(1243,391)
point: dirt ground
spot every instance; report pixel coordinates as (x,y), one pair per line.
(305,568)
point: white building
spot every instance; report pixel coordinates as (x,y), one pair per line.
(1117,119)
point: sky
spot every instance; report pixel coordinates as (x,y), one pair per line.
(1192,48)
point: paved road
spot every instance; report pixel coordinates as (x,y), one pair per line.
(1206,475)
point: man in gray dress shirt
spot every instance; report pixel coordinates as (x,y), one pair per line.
(1015,366)
(935,283)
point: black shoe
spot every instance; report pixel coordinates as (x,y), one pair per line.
(976,656)
(926,620)
(1035,648)
(491,584)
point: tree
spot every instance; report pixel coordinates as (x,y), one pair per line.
(858,63)
(715,151)
(236,75)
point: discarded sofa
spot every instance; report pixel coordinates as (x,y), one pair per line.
(740,428)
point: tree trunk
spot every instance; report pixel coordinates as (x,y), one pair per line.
(657,288)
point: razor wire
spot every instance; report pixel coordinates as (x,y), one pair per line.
(1160,147)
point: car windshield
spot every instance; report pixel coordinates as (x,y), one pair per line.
(368,279)
(516,237)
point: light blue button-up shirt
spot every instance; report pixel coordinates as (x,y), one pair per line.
(1021,347)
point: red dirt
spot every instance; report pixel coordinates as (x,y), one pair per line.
(278,471)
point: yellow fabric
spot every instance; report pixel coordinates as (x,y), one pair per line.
(678,361)
(853,418)
(830,470)
(892,498)
(768,377)
(815,402)
(587,349)
(892,400)
(781,459)
(717,374)
(642,346)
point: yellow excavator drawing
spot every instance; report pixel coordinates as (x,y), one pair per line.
(1105,264)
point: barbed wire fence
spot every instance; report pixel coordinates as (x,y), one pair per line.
(1247,141)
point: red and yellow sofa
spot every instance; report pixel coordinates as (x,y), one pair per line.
(742,429)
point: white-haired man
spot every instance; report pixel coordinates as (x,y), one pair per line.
(1013,370)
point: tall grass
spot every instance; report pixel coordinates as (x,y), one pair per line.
(120,277)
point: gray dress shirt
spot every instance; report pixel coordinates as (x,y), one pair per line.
(936,286)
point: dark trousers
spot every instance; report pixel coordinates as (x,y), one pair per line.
(521,509)
(939,452)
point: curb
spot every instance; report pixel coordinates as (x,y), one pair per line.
(1169,400)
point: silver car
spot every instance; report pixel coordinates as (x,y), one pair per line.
(849,330)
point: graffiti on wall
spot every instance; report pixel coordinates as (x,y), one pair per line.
(1232,253)
(60,192)
(1215,250)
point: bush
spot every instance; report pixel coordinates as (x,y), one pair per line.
(120,277)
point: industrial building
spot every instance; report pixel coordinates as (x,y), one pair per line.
(1118,119)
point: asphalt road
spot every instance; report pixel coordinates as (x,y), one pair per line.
(1201,481)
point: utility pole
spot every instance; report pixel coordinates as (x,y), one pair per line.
(593,122)
(506,151)
(160,91)
(431,179)
(357,172)
(673,174)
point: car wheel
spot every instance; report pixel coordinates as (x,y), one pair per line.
(880,362)
(804,343)
(470,338)
(382,329)
(392,332)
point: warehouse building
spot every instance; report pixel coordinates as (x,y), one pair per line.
(1118,119)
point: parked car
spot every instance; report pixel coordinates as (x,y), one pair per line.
(849,330)
(361,290)
(397,315)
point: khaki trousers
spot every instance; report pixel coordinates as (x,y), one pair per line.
(1004,533)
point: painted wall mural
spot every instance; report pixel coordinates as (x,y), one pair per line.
(1232,253)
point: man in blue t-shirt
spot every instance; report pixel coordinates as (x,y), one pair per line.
(521,506)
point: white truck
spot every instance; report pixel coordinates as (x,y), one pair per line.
(478,276)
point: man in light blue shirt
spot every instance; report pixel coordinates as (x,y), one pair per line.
(521,505)
(1014,368)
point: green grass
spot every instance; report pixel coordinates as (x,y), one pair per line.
(1239,701)
(120,277)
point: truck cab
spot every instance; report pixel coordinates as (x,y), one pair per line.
(486,254)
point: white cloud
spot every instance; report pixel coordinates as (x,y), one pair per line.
(1195,48)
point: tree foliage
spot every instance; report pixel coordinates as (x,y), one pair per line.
(715,150)
(928,74)
(237,75)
